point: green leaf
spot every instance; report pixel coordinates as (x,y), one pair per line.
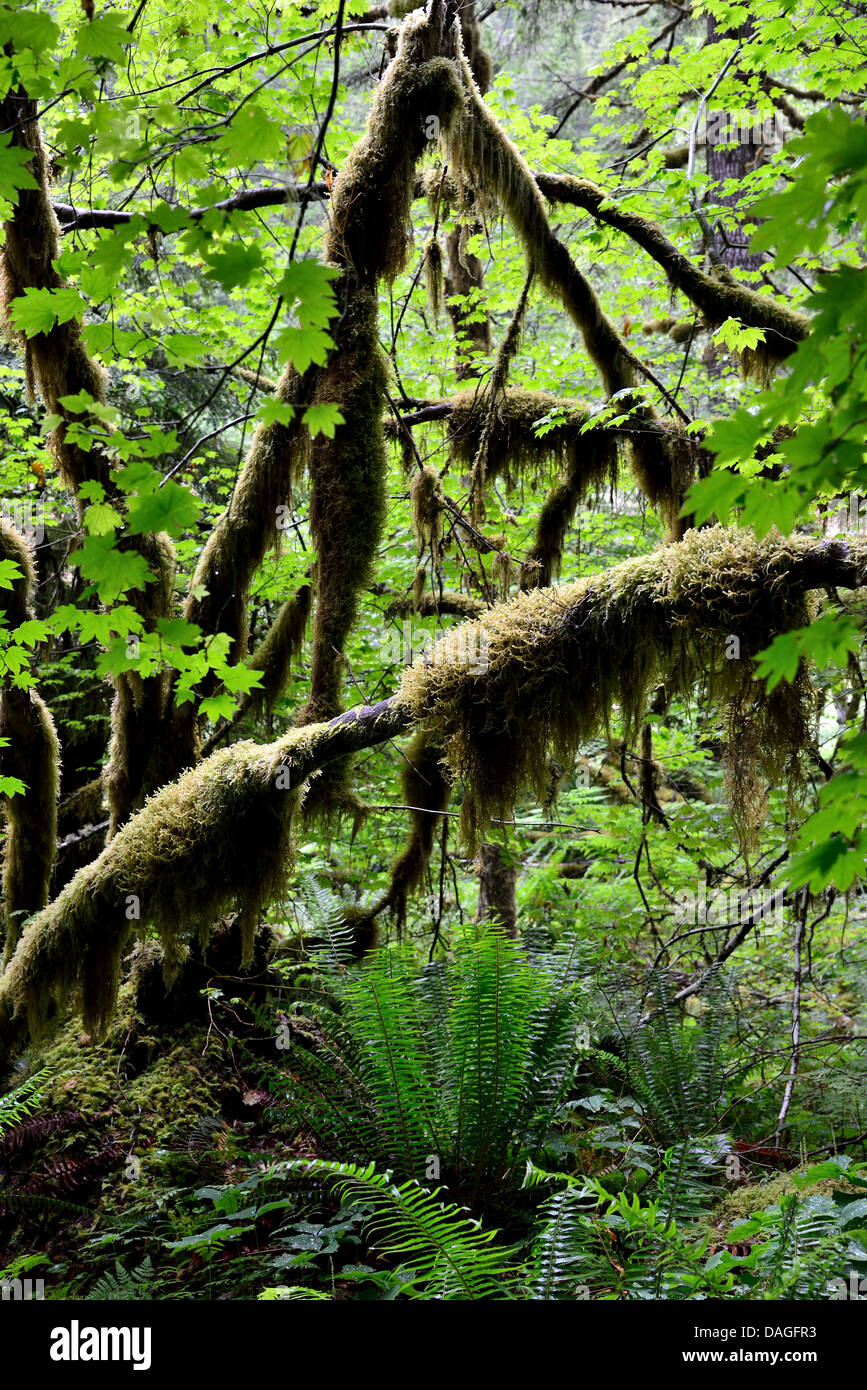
(37,311)
(303,346)
(113,571)
(323,419)
(101,518)
(105,37)
(171,508)
(217,707)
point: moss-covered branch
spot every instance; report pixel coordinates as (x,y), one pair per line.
(719,296)
(546,670)
(559,659)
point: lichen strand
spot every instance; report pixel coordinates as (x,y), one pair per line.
(33,756)
(559,659)
(425,788)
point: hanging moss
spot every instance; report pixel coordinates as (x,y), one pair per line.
(81,807)
(514,449)
(486,158)
(592,462)
(426,495)
(433,273)
(497,385)
(33,756)
(217,837)
(426,788)
(559,659)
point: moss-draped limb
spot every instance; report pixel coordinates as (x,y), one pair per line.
(558,659)
(249,527)
(718,296)
(485,156)
(33,756)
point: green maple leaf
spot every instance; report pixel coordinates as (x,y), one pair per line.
(104,38)
(37,311)
(323,419)
(171,508)
(113,571)
(301,346)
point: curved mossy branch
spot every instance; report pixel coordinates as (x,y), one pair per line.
(557,660)
(560,658)
(484,155)
(218,838)
(718,297)
(33,756)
